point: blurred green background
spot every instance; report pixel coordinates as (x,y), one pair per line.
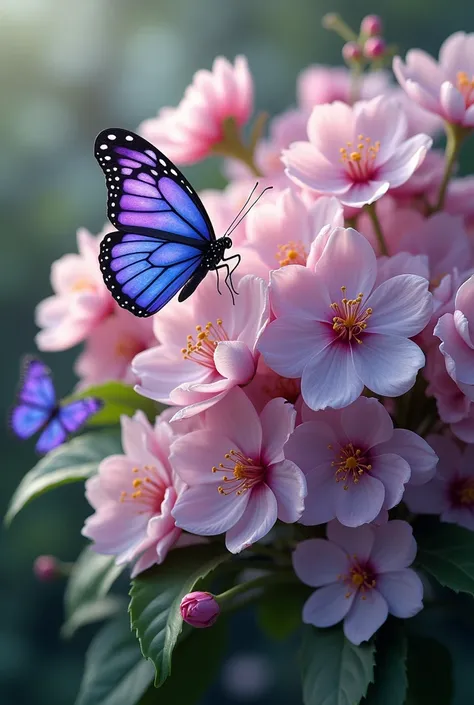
(67,70)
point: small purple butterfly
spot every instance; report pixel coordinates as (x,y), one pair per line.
(37,408)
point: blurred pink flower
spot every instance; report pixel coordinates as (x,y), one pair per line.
(238,480)
(362,576)
(355,463)
(446,87)
(46,568)
(332,330)
(356,153)
(451,492)
(324,84)
(80,301)
(133,495)
(207,347)
(456,332)
(199,609)
(188,133)
(111,347)
(452,404)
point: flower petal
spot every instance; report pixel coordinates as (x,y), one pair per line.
(195,454)
(394,472)
(236,418)
(319,502)
(400,306)
(234,361)
(419,455)
(203,510)
(278,421)
(296,291)
(403,592)
(330,379)
(452,102)
(459,357)
(319,562)
(361,502)
(288,484)
(258,518)
(357,542)
(394,547)
(367,614)
(308,167)
(366,422)
(406,160)
(363,193)
(288,343)
(308,445)
(327,606)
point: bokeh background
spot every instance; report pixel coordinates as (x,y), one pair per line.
(68,69)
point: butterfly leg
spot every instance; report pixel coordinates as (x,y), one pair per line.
(230,272)
(218,282)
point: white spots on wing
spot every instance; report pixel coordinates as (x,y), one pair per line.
(174,172)
(165,171)
(115,168)
(108,158)
(104,146)
(188,187)
(112,137)
(155,173)
(112,215)
(108,239)
(107,170)
(129,138)
(162,162)
(112,203)
(150,153)
(117,178)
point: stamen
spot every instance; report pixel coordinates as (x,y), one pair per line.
(349,320)
(350,464)
(291,253)
(201,349)
(360,162)
(360,579)
(465,86)
(246,473)
(148,490)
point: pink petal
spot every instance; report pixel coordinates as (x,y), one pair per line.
(464,516)
(319,562)
(361,502)
(401,306)
(406,160)
(452,102)
(384,122)
(203,510)
(348,260)
(368,612)
(328,605)
(308,167)
(252,310)
(297,291)
(394,472)
(387,364)
(330,379)
(356,542)
(366,422)
(288,484)
(403,592)
(361,194)
(394,547)
(258,518)
(278,421)
(465,299)
(459,358)
(288,342)
(319,502)
(234,361)
(196,402)
(330,126)
(235,417)
(421,458)
(195,454)
(426,499)
(308,445)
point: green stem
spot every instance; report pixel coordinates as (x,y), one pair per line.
(334,22)
(264,580)
(455,136)
(232,145)
(356,78)
(370,209)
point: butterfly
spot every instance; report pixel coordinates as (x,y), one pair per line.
(165,240)
(37,408)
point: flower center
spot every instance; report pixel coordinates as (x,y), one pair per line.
(350,464)
(148,490)
(201,349)
(350,320)
(462,492)
(292,253)
(361,578)
(246,473)
(359,160)
(127,348)
(465,86)
(83,285)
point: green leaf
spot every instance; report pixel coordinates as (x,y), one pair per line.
(390,683)
(279,612)
(91,612)
(156,596)
(118,399)
(447,552)
(91,579)
(115,672)
(334,671)
(71,462)
(199,654)
(430,679)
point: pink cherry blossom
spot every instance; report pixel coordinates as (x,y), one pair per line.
(337,334)
(189,132)
(356,153)
(111,347)
(457,339)
(460,199)
(451,492)
(362,576)
(238,480)
(355,463)
(453,406)
(325,84)
(281,233)
(446,87)
(207,346)
(133,495)
(80,301)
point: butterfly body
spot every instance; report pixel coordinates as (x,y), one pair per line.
(164,241)
(37,408)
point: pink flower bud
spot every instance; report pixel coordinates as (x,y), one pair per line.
(351,51)
(371,25)
(199,609)
(46,568)
(374,47)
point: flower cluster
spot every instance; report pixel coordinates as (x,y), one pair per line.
(327,391)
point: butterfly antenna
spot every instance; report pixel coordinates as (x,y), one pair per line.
(240,211)
(234,224)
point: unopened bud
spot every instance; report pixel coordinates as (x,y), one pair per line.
(374,47)
(199,609)
(351,51)
(371,25)
(46,568)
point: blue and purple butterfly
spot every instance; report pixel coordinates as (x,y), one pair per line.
(37,408)
(165,240)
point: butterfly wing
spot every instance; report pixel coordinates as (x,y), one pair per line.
(67,419)
(52,436)
(146,191)
(36,399)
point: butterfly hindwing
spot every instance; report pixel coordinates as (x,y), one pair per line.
(74,414)
(146,191)
(143,272)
